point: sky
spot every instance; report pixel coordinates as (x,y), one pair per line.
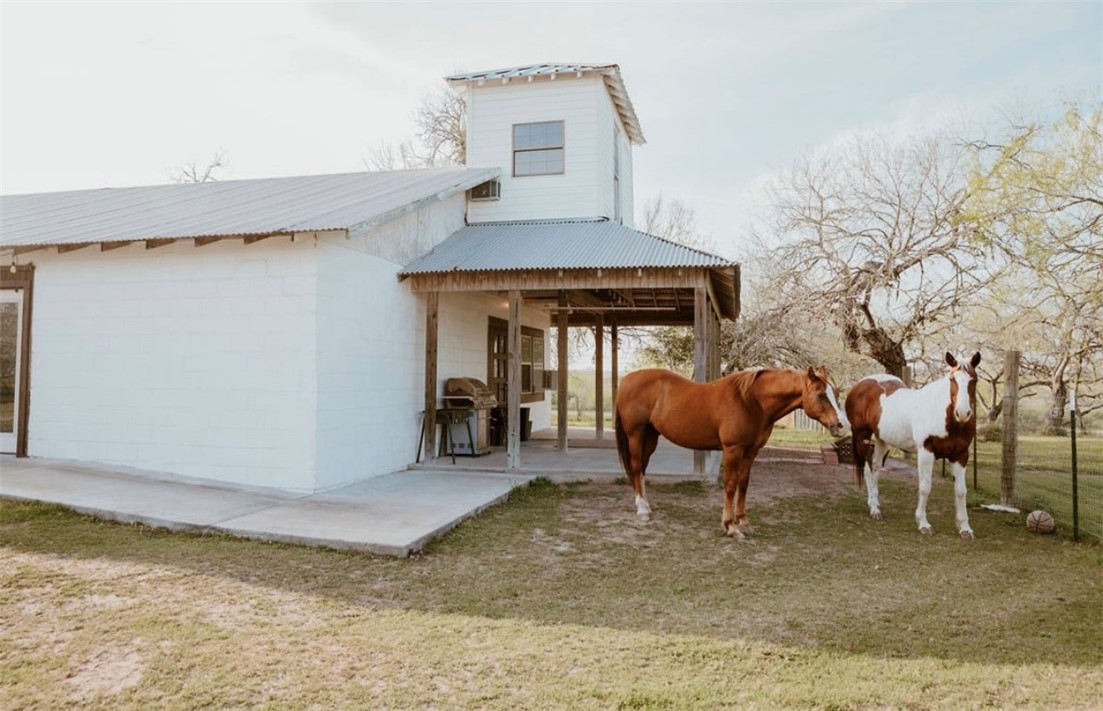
(106,95)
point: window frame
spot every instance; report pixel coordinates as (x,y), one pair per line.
(514,150)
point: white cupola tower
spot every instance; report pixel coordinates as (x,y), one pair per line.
(562,136)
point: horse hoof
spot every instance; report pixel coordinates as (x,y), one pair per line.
(747,530)
(734,533)
(925,530)
(875,515)
(644,516)
(968,535)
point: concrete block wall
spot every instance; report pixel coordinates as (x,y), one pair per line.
(191,360)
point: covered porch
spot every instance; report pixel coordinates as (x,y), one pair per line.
(593,274)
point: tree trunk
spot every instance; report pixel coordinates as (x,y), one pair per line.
(887,352)
(1055,418)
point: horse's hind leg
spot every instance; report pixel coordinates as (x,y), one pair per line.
(873,473)
(648,441)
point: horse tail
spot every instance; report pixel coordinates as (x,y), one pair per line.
(862,453)
(622,440)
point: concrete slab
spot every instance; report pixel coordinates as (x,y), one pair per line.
(395,514)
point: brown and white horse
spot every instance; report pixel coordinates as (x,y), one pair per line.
(735,414)
(936,421)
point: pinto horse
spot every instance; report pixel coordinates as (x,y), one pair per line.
(935,421)
(735,414)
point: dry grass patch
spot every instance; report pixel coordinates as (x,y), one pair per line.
(561,598)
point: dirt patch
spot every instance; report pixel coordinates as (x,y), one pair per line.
(110,670)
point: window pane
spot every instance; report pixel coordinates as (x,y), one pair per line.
(526,378)
(526,349)
(554,161)
(521,136)
(554,135)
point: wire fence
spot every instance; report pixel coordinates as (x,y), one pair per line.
(1060,473)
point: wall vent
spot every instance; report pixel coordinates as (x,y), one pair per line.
(486,192)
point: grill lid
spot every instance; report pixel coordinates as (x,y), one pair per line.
(468,392)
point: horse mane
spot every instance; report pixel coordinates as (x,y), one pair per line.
(743,380)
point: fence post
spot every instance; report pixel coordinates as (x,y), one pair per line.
(1075,492)
(1010,428)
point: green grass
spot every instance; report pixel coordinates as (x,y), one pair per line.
(562,599)
(799,439)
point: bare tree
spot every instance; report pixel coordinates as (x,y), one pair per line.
(673,220)
(440,127)
(865,234)
(192,173)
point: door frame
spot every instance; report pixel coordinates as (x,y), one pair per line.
(22,279)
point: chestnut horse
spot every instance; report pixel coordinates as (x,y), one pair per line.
(935,421)
(735,414)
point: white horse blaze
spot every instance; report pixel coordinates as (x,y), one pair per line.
(839,412)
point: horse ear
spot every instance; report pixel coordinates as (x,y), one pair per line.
(812,373)
(822,372)
(950,360)
(975,360)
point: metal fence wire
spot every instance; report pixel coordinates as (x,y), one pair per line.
(1062,475)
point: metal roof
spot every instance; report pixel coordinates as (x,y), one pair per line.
(226,208)
(614,82)
(556,244)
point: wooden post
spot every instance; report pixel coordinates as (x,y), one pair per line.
(1010,427)
(599,377)
(700,351)
(432,311)
(561,321)
(614,347)
(513,438)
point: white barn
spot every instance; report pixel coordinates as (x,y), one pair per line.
(291,332)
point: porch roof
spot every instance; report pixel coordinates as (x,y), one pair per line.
(607,267)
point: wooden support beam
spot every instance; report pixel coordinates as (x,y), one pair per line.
(614,349)
(1010,454)
(432,319)
(257,238)
(155,243)
(513,438)
(700,348)
(63,248)
(204,241)
(599,378)
(561,322)
(108,246)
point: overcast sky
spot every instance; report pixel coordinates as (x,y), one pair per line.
(97,95)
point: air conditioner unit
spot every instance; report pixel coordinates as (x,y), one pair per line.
(486,192)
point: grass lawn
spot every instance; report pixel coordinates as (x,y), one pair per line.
(560,598)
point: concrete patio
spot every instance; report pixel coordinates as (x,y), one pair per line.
(396,514)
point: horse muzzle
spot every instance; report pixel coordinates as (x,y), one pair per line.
(840,429)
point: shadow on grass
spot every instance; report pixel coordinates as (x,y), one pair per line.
(819,573)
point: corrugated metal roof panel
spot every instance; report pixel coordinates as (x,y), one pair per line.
(556,244)
(232,207)
(613,79)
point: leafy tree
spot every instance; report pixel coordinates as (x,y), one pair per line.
(1037,196)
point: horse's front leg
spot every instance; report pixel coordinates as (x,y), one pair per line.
(733,463)
(961,514)
(925,464)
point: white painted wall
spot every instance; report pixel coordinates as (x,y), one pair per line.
(192,360)
(584,189)
(371,346)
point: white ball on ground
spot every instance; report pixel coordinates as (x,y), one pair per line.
(1040,522)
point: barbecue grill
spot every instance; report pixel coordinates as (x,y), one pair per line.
(470,432)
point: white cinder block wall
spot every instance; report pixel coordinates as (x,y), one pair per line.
(192,360)
(371,345)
